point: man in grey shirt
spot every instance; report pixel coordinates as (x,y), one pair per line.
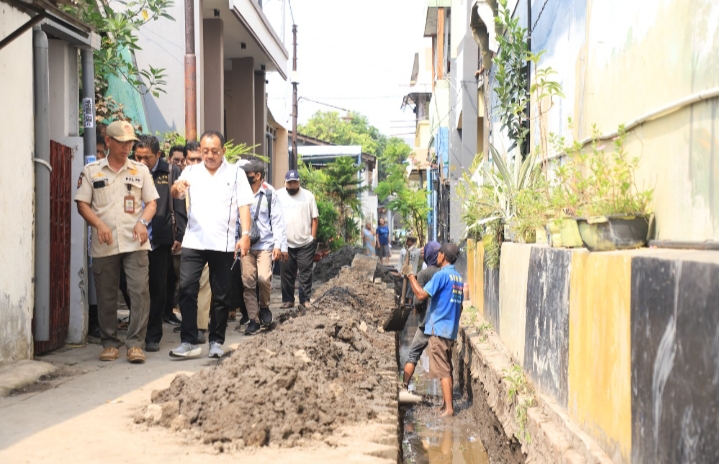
(420,340)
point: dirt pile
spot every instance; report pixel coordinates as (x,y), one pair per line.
(319,370)
(329,267)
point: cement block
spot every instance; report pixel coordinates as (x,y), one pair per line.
(22,374)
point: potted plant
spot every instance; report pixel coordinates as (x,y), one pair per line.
(616,214)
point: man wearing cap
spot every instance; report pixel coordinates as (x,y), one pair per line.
(109,197)
(218,194)
(446,291)
(301,220)
(266,212)
(420,340)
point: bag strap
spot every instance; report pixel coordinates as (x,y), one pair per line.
(170,181)
(257,208)
(268,194)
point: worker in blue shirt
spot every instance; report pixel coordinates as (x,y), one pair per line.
(446,291)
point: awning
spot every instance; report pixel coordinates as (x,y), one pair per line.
(248,33)
(54,22)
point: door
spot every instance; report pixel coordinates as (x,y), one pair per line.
(60,204)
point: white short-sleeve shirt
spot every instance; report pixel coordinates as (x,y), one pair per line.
(299,210)
(213,201)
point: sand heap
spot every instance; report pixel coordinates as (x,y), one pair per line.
(329,267)
(318,370)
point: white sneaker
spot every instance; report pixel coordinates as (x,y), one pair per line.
(215,350)
(186,350)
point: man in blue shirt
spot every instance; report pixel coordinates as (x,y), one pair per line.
(446,291)
(383,242)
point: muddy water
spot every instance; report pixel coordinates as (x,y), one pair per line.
(428,438)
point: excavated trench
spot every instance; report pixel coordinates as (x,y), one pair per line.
(325,368)
(474,435)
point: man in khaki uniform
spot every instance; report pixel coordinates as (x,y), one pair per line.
(110,197)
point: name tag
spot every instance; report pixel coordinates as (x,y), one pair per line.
(130,204)
(135,181)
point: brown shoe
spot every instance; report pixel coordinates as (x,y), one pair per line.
(109,354)
(135,355)
(287,305)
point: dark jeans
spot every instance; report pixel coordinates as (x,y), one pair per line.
(299,265)
(172,278)
(159,265)
(238,301)
(193,261)
(419,343)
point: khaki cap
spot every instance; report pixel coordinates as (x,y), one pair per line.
(122,131)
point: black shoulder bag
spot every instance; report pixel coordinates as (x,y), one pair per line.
(254,230)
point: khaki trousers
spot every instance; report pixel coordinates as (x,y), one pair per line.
(257,269)
(204,300)
(107,280)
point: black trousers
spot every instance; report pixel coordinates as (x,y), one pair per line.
(238,289)
(159,266)
(193,261)
(299,264)
(172,278)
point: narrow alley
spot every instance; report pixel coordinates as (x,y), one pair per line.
(397,232)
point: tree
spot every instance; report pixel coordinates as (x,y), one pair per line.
(395,153)
(409,202)
(344,187)
(118,32)
(337,189)
(328,126)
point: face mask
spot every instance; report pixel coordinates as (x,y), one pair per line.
(293,191)
(251,180)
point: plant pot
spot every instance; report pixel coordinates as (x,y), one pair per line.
(541,237)
(617,232)
(564,233)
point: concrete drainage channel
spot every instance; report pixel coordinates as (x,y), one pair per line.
(474,435)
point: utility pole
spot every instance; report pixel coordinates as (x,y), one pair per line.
(293,154)
(190,73)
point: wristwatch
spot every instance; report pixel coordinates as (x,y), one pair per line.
(245,232)
(143,222)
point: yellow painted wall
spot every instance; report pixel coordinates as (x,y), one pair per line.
(600,349)
(471,247)
(478,299)
(513,274)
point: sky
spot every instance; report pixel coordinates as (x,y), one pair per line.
(355,55)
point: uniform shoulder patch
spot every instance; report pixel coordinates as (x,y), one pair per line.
(79,181)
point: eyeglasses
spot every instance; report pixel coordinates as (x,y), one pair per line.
(213,152)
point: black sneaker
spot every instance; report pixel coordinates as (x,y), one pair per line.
(245,320)
(94,331)
(171,319)
(265,316)
(152,347)
(201,337)
(252,328)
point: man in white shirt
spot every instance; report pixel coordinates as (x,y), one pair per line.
(301,220)
(218,192)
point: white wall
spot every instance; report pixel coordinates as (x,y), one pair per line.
(16,195)
(163,46)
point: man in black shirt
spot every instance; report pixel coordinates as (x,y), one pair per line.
(420,340)
(165,232)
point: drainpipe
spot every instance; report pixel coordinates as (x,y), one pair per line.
(190,73)
(88,95)
(41,84)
